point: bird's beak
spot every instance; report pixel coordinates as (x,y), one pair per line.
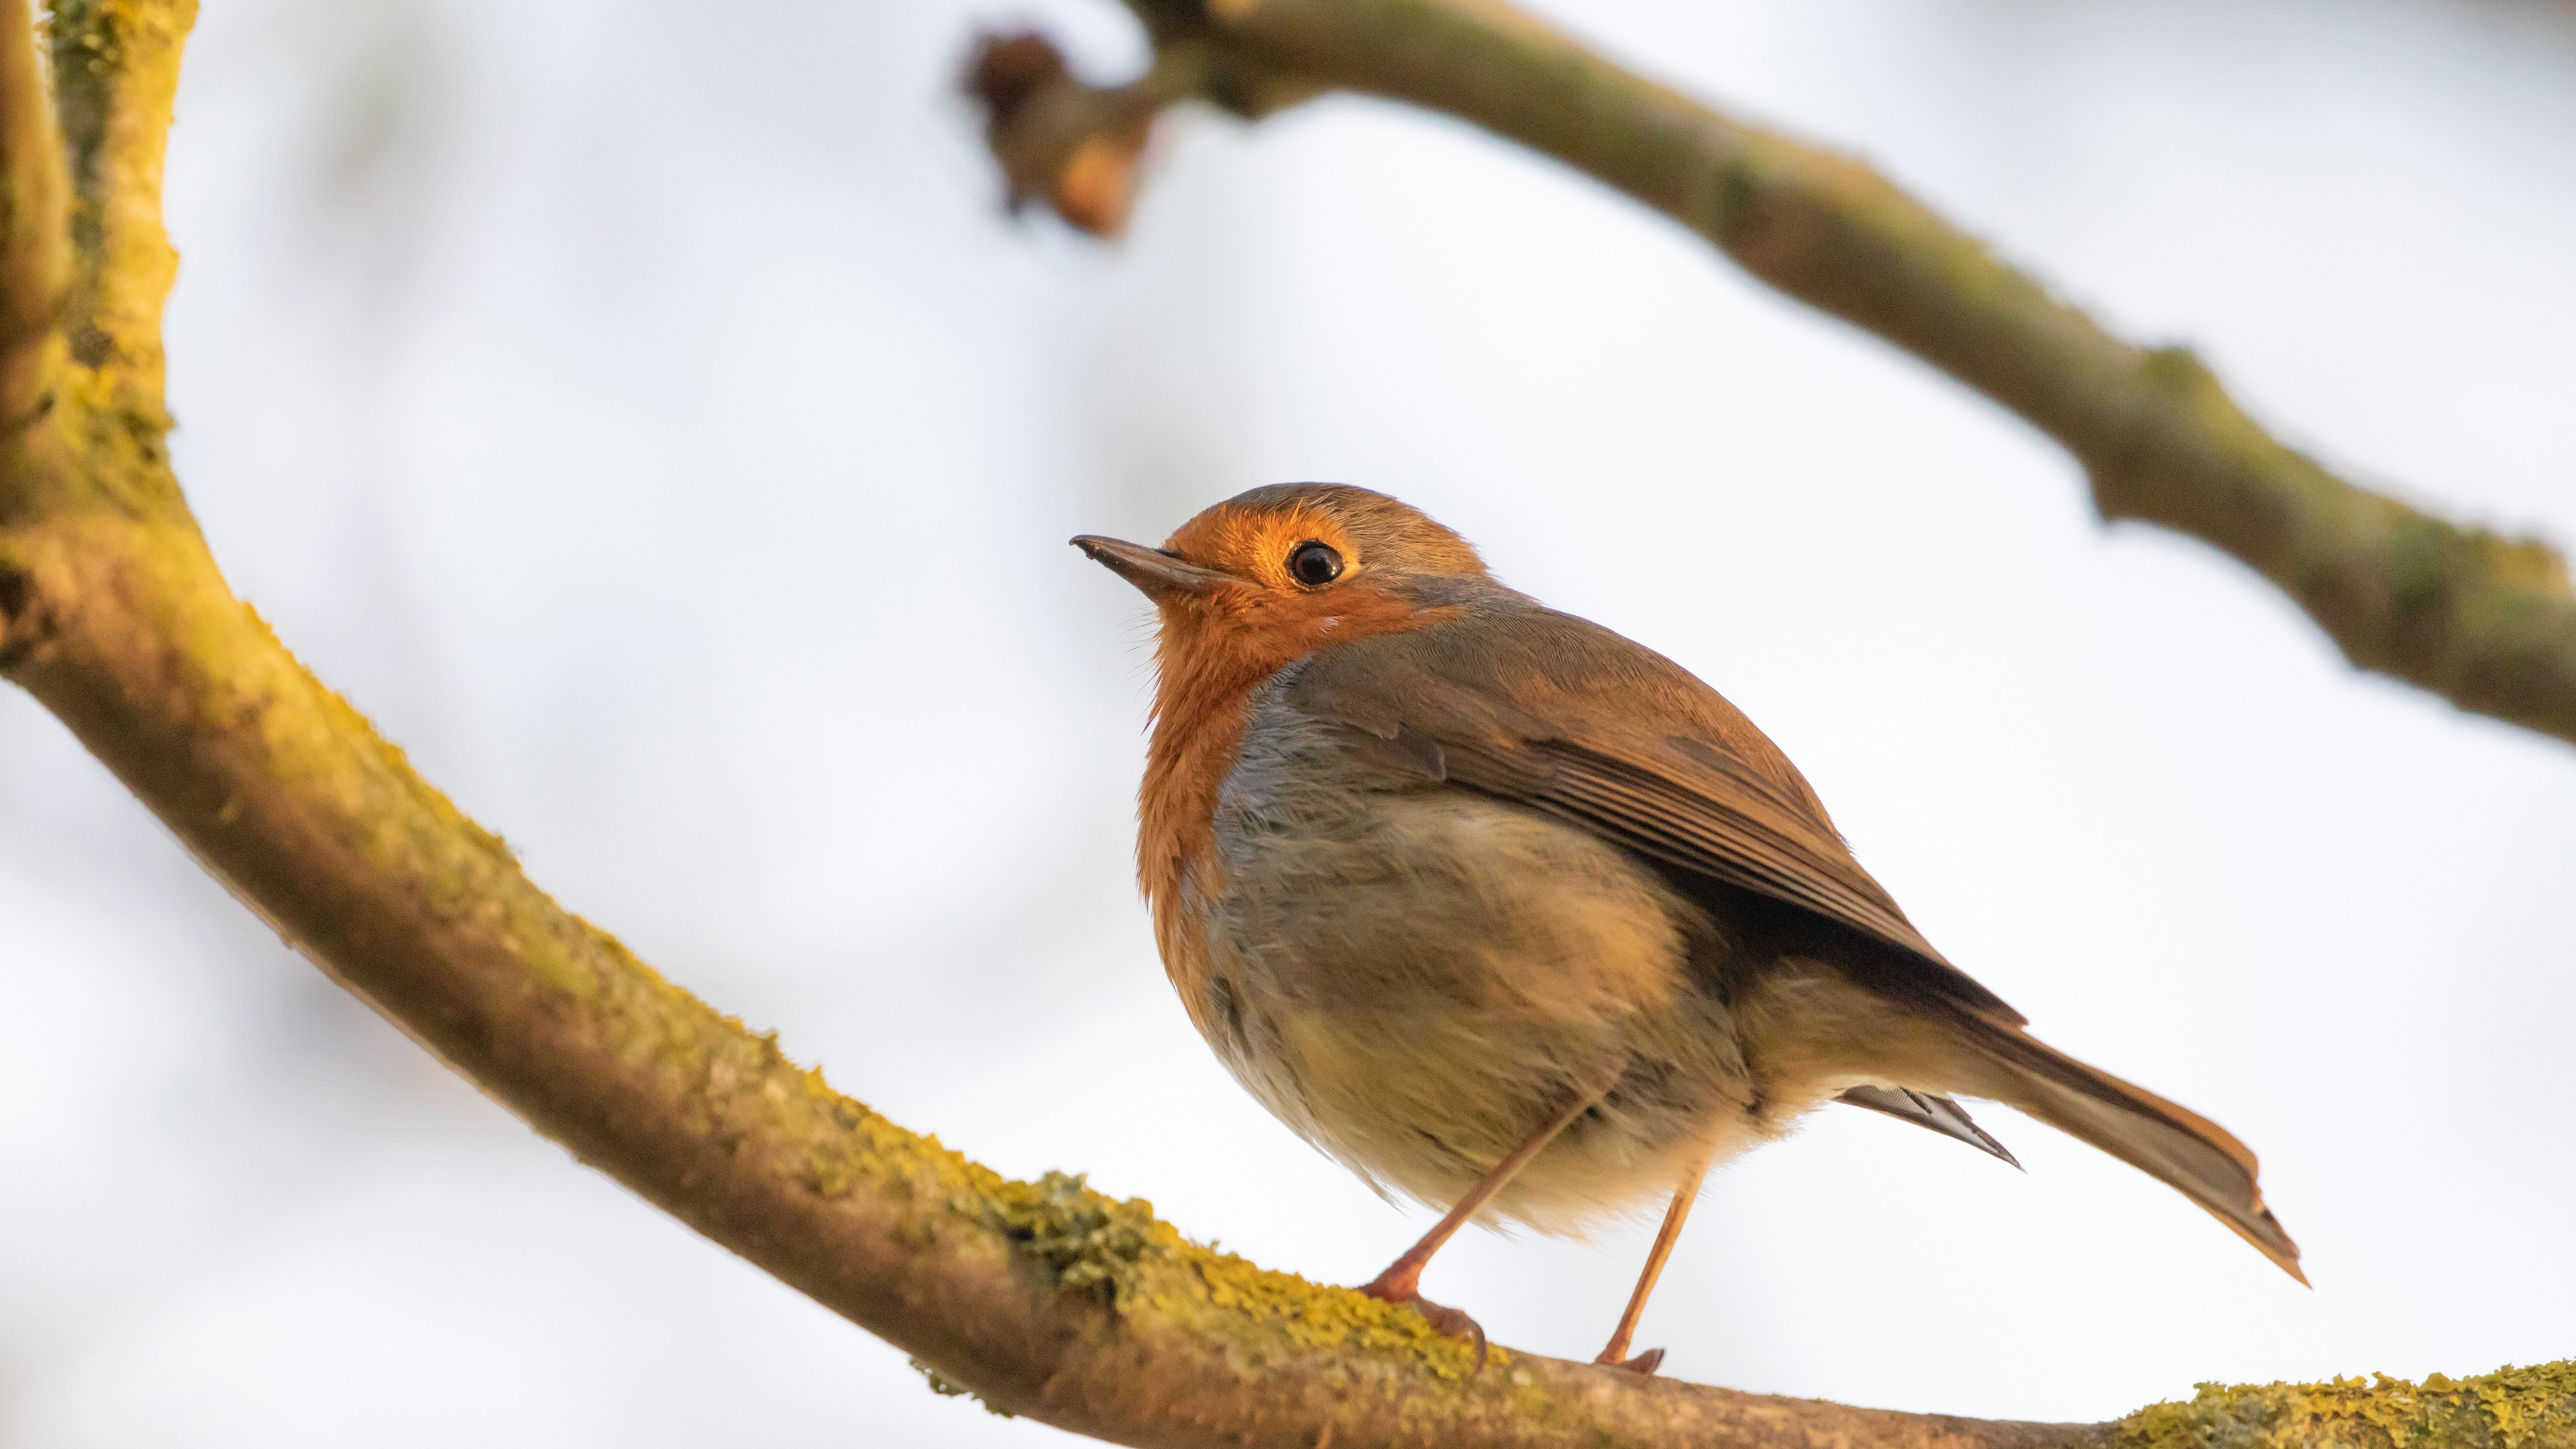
(1158,573)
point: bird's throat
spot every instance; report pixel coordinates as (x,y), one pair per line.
(1202,698)
(1209,662)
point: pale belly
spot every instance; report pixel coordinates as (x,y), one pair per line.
(1415,979)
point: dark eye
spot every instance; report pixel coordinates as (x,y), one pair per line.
(1314,564)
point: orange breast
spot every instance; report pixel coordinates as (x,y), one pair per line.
(1208,663)
(1199,712)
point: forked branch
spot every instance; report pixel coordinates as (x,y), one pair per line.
(2482,619)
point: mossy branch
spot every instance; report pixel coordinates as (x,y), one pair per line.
(1045,1299)
(2484,620)
(116,72)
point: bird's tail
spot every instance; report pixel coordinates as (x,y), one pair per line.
(2179,1148)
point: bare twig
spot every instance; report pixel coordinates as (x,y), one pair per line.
(2484,620)
(1045,1299)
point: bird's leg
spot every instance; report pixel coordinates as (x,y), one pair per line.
(1615,1356)
(1402,1280)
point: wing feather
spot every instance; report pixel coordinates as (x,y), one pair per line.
(1566,717)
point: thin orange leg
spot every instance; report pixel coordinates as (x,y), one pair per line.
(1402,1280)
(1615,1356)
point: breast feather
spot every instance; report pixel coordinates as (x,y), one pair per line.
(1404,973)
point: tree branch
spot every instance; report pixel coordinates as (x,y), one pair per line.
(2483,620)
(34,252)
(1043,1298)
(116,72)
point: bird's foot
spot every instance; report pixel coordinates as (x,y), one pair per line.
(1451,1321)
(1643,1365)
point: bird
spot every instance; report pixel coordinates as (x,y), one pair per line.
(1517,918)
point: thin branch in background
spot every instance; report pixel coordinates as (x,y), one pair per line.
(35,252)
(2485,620)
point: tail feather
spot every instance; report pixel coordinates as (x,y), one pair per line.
(2177,1147)
(1932,1111)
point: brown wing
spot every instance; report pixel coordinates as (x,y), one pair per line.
(1567,717)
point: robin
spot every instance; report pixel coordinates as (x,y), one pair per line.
(1508,913)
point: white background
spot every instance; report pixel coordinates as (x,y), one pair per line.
(644,413)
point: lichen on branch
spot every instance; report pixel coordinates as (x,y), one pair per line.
(34,250)
(116,74)
(2483,619)
(2512,1408)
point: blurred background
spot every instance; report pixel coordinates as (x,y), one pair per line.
(644,412)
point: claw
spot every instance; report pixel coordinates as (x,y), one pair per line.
(1455,1323)
(1643,1365)
(1451,1321)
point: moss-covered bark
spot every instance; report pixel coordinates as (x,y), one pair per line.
(2512,1408)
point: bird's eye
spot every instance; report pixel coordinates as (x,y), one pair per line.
(1314,564)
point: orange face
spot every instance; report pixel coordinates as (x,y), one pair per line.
(1245,589)
(1258,544)
(1299,582)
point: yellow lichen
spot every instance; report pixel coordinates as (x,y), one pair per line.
(2512,1408)
(1087,1241)
(1307,1315)
(1116,1251)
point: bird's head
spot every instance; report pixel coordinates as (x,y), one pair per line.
(1272,575)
